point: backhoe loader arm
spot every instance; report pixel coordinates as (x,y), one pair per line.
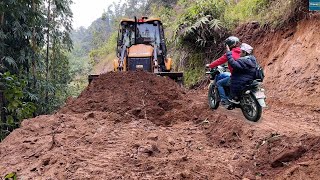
(123,53)
(124,46)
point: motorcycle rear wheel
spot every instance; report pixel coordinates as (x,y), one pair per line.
(213,97)
(250,107)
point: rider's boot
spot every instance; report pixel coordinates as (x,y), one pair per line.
(226,104)
(234,100)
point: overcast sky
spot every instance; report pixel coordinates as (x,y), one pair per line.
(86,11)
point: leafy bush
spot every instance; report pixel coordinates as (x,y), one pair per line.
(199,29)
(274,13)
(245,10)
(201,23)
(18,107)
(193,75)
(279,12)
(194,68)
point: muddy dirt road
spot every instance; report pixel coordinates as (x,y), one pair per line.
(140,126)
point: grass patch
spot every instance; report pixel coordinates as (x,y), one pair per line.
(245,10)
(274,13)
(195,69)
(192,76)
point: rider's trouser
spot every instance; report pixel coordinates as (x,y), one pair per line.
(223,80)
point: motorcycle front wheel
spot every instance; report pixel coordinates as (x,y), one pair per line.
(213,97)
(250,107)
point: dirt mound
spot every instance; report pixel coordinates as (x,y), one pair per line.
(85,146)
(138,94)
(211,145)
(290,59)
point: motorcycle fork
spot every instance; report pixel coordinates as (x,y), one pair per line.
(215,88)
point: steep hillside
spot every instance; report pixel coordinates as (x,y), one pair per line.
(291,60)
(104,65)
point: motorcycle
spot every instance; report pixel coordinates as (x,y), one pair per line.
(252,98)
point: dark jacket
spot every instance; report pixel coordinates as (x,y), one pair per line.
(244,70)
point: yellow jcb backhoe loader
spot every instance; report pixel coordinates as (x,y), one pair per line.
(141,46)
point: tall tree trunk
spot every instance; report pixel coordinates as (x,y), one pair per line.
(34,48)
(48,46)
(53,62)
(1,18)
(1,50)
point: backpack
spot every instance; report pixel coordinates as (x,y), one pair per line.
(259,72)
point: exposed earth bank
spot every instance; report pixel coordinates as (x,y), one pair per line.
(290,57)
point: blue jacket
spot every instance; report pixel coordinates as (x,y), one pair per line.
(244,70)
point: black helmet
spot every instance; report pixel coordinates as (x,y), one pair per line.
(232,41)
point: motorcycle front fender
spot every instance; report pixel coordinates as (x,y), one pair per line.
(260,96)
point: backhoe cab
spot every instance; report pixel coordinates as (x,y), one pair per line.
(141,46)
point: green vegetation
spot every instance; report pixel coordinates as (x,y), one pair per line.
(274,13)
(34,41)
(245,10)
(12,176)
(108,48)
(18,105)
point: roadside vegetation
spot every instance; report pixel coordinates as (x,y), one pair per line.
(34,67)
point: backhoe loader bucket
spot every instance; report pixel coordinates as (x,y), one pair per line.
(91,77)
(176,76)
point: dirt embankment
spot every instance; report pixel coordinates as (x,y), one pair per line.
(136,125)
(291,60)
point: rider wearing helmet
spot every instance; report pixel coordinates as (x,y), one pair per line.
(224,78)
(244,70)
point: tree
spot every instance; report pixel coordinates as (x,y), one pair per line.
(34,39)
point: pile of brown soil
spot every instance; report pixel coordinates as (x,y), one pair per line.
(197,143)
(139,94)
